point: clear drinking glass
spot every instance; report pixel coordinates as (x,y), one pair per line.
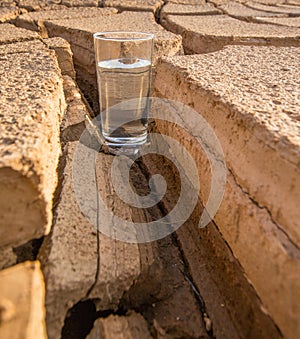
(123,61)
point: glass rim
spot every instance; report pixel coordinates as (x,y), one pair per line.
(143,36)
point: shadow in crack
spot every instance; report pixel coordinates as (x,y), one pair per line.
(80,320)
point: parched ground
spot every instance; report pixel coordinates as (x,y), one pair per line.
(234,63)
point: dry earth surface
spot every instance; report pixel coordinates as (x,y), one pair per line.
(235,63)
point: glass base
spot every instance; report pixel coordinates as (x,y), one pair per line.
(128,146)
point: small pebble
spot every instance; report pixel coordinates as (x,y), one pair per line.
(207,323)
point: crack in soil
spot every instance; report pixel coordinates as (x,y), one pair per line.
(98,238)
(288,243)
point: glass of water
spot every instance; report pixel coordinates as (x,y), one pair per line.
(123,61)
